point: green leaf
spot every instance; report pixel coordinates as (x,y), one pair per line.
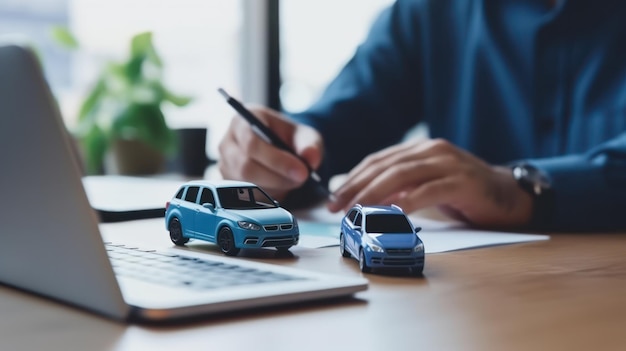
(64,37)
(133,68)
(154,129)
(145,122)
(95,144)
(142,46)
(89,106)
(125,119)
(177,100)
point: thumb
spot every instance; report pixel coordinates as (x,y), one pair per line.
(309,145)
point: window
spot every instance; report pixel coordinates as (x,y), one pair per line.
(351,215)
(358,220)
(388,223)
(247,198)
(262,198)
(317,38)
(203,45)
(30,21)
(198,40)
(207,197)
(179,194)
(192,193)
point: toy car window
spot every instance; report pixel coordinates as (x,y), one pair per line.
(358,219)
(261,198)
(387,223)
(207,197)
(351,215)
(179,194)
(192,194)
(244,198)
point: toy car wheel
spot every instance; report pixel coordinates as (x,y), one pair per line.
(176,233)
(226,241)
(342,246)
(417,271)
(363,264)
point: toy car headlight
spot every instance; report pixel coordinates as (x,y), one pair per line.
(249,225)
(419,247)
(376,248)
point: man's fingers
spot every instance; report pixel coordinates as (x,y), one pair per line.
(233,166)
(371,167)
(436,192)
(378,158)
(309,145)
(403,176)
(236,163)
(393,157)
(282,163)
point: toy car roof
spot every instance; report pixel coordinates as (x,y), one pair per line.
(380,209)
(220,183)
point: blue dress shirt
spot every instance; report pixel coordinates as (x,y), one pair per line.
(507,80)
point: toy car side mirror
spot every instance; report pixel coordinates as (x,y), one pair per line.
(357,228)
(209,205)
(417,229)
(276,203)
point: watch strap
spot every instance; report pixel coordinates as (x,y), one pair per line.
(536,183)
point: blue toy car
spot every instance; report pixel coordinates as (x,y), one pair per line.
(381,236)
(232,214)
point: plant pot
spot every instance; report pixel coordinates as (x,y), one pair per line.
(134,157)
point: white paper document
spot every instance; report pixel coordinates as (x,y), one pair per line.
(124,193)
(319,228)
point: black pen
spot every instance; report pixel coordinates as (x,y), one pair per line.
(266,134)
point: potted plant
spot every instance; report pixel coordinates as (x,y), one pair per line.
(122,116)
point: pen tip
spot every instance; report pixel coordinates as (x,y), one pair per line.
(224,93)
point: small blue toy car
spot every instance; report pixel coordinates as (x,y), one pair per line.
(381,236)
(232,214)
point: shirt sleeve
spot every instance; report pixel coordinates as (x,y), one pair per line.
(589,189)
(376,97)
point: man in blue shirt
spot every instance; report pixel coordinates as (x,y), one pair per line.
(539,84)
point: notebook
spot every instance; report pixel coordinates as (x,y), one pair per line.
(52,246)
(118,198)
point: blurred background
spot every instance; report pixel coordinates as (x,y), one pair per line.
(279,53)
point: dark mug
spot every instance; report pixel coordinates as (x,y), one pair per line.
(192,151)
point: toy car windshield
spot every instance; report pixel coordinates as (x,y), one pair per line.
(388,223)
(244,198)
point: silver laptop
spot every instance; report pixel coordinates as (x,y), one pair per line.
(50,243)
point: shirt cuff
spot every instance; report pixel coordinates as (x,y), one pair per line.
(580,193)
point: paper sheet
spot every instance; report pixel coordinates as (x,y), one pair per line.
(435,240)
(124,193)
(320,228)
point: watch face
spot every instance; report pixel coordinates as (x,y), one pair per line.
(531,178)
(538,184)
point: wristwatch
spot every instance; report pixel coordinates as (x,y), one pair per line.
(538,185)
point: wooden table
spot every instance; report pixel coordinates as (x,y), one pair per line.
(567,293)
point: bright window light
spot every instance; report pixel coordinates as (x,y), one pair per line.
(317,39)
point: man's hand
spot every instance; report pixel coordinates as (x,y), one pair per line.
(245,156)
(425,173)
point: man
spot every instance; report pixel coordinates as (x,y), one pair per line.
(525,101)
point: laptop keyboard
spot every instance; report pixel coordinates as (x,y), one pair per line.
(194,273)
